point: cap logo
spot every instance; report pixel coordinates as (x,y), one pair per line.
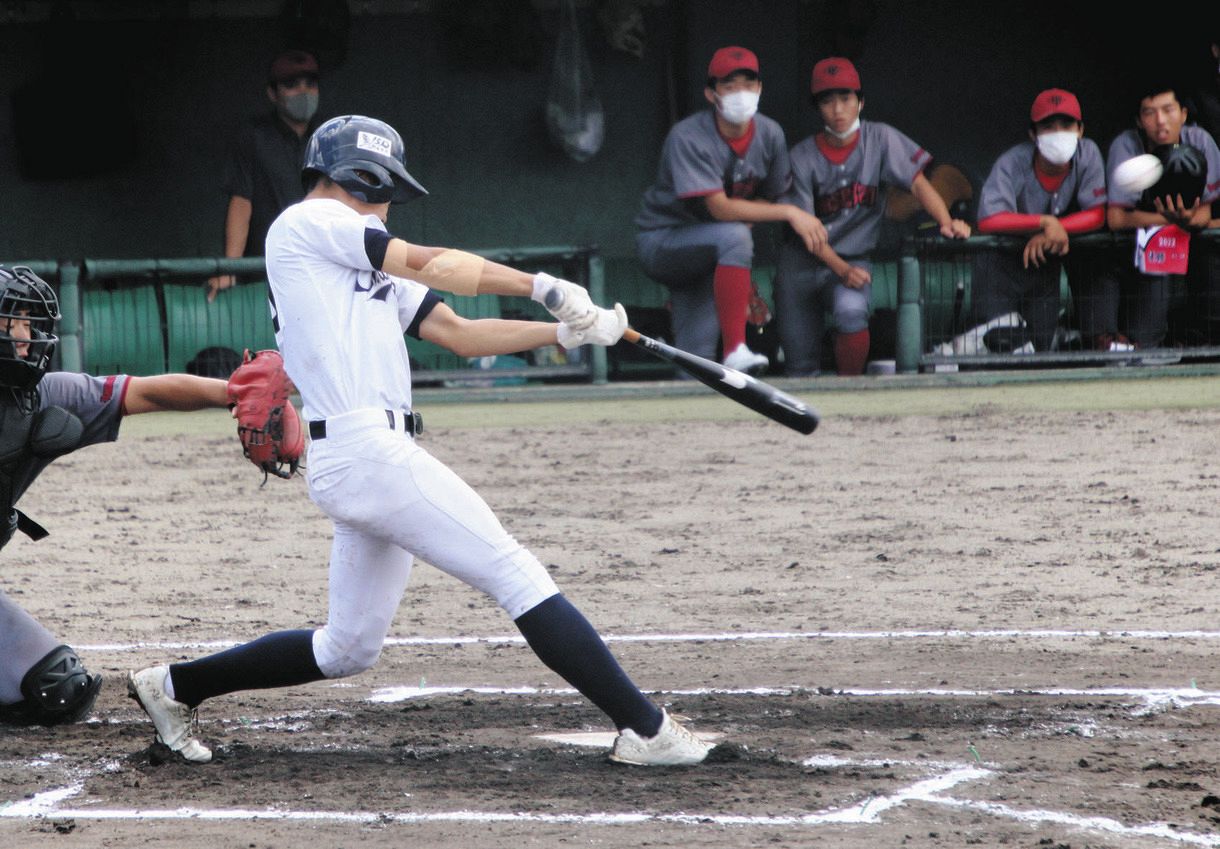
(374,143)
(832,70)
(738,54)
(1056,99)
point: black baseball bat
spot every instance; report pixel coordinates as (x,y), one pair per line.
(744,389)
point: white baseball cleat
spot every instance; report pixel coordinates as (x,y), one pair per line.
(673,745)
(744,360)
(173,720)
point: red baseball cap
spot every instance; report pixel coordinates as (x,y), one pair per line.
(292,64)
(834,73)
(726,60)
(1054,101)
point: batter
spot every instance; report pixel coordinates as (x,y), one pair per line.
(343,293)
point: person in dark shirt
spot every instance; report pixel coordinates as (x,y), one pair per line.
(263,174)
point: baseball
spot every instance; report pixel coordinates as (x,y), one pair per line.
(1138,173)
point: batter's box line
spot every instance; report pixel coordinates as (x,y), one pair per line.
(1152,699)
(748,636)
(928,790)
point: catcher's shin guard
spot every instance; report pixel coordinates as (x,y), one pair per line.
(57,691)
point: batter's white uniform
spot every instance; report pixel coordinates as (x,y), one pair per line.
(339,325)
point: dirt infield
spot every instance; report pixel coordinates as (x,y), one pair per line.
(984,627)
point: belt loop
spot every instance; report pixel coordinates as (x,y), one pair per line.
(389,414)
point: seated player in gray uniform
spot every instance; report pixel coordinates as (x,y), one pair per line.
(44,416)
(1120,291)
(720,172)
(1045,189)
(840,174)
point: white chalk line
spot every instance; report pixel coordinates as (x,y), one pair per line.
(929,790)
(1150,698)
(750,636)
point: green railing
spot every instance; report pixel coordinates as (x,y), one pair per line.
(935,288)
(150,316)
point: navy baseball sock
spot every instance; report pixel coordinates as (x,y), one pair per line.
(565,641)
(276,660)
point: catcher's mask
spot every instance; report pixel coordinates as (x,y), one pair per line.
(26,301)
(364,156)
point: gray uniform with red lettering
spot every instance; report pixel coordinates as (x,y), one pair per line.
(97,402)
(1000,283)
(849,198)
(678,241)
(1148,296)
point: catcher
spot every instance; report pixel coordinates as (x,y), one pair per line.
(44,416)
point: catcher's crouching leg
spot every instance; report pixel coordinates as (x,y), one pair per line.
(57,691)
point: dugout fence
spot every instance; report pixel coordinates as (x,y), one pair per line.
(938,279)
(151,316)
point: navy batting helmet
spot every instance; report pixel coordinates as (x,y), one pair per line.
(364,156)
(1185,172)
(28,312)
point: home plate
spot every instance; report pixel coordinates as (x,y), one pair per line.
(605,739)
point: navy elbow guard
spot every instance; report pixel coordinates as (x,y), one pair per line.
(57,691)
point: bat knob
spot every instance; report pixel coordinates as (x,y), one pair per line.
(553,299)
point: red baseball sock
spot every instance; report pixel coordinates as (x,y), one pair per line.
(851,352)
(731,286)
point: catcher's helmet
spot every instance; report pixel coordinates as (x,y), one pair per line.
(26,297)
(1185,172)
(364,156)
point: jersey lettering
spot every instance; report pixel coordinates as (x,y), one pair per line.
(739,182)
(848,197)
(379,284)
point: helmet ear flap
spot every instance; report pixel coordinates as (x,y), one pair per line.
(342,146)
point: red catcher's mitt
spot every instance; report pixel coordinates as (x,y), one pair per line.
(267,423)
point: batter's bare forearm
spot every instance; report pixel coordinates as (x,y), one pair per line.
(451,270)
(488,336)
(182,392)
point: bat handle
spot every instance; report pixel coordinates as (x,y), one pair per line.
(631,335)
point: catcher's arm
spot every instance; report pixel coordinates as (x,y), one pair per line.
(267,424)
(165,392)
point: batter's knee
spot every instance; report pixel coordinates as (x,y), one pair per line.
(518,582)
(340,654)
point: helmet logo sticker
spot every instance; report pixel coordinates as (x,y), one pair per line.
(374,143)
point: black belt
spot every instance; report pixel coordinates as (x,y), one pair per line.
(414,423)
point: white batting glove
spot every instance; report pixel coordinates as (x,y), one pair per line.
(566,301)
(606,329)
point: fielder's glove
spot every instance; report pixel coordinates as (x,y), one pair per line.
(566,301)
(267,423)
(606,329)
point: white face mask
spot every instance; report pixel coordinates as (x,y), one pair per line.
(846,134)
(738,107)
(1058,148)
